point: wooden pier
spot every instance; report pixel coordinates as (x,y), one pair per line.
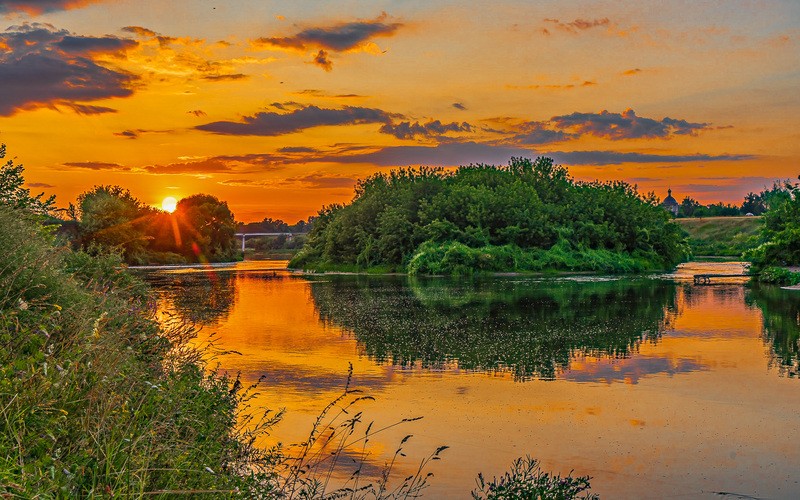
(705,279)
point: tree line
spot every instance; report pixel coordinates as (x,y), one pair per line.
(753,203)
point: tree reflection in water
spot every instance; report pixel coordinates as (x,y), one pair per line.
(530,327)
(200,298)
(781,311)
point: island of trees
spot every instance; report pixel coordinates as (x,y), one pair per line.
(527,216)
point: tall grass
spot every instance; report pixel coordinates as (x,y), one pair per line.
(97,399)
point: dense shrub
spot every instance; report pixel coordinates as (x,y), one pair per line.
(529,215)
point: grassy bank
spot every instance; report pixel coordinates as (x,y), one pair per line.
(721,236)
(97,399)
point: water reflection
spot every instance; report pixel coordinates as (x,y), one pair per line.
(531,328)
(781,311)
(201,298)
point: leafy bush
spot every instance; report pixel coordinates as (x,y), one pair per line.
(779,276)
(529,215)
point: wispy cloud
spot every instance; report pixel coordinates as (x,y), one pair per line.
(577,25)
(96,165)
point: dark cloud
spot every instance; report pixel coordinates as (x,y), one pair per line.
(259,162)
(449,154)
(271,124)
(197,112)
(134,134)
(625,125)
(40,185)
(129,134)
(434,128)
(36,7)
(338,38)
(460,106)
(577,25)
(37,71)
(88,109)
(321,60)
(217,78)
(322,181)
(615,157)
(140,31)
(534,133)
(298,149)
(320,93)
(87,45)
(96,165)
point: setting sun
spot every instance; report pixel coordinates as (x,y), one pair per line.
(169,204)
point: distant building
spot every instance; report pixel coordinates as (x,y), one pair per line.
(670,204)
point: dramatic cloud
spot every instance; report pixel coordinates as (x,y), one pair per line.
(271,124)
(321,60)
(408,130)
(87,45)
(43,67)
(342,37)
(339,38)
(35,7)
(625,125)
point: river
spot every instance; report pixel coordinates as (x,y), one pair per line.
(654,386)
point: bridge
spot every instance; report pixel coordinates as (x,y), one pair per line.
(244,236)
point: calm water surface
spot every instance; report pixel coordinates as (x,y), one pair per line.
(653,386)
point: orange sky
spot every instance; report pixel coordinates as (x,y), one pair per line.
(278,107)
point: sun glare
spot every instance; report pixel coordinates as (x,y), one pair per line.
(169,204)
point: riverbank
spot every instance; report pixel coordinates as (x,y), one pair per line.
(721,236)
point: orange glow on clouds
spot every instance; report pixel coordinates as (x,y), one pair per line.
(281,116)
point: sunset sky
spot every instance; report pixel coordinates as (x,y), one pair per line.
(277,107)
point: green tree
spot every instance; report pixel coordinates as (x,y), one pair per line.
(110,217)
(688,207)
(14,195)
(207,228)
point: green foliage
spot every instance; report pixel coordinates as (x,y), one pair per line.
(482,218)
(96,398)
(779,276)
(109,218)
(14,195)
(526,481)
(781,232)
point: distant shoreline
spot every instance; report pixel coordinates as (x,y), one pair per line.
(186,266)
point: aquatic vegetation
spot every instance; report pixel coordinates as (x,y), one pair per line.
(526,480)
